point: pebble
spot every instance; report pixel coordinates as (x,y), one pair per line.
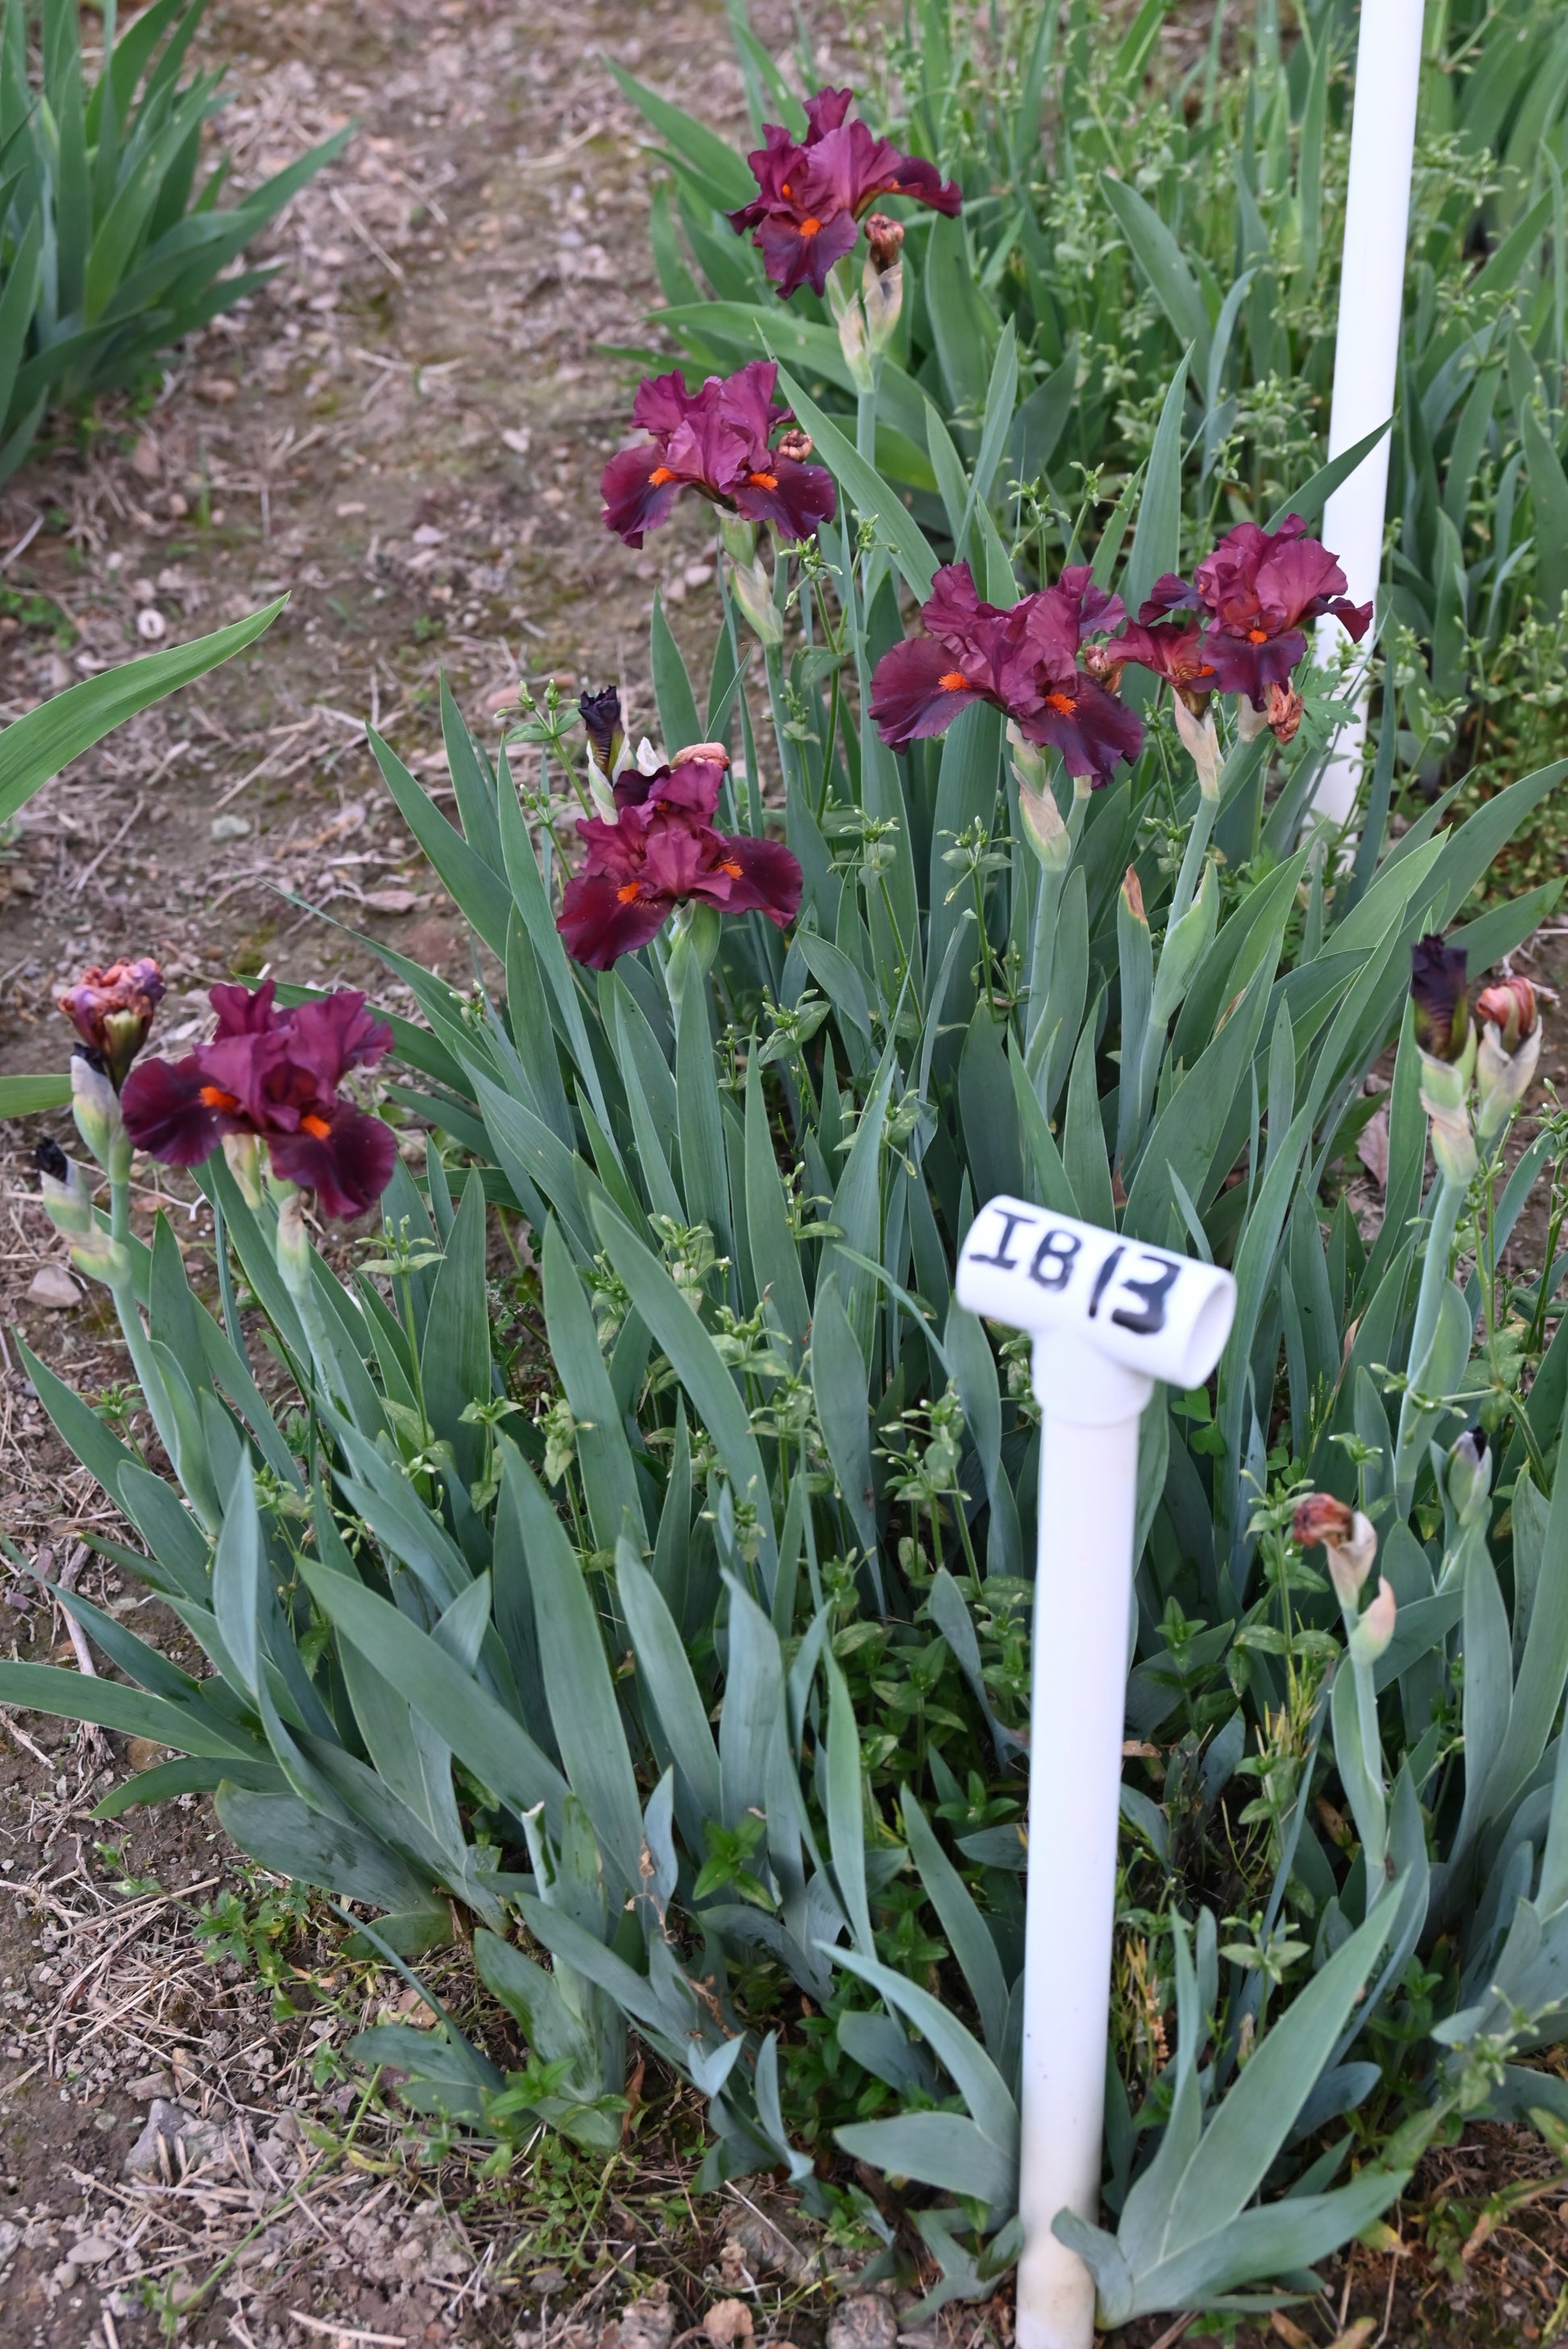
(52,1286)
(865,2320)
(230,827)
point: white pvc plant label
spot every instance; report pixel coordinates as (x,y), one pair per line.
(1109,1316)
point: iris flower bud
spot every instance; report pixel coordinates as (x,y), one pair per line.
(754,593)
(95,1105)
(1438,991)
(1469,1475)
(1447,1045)
(606,736)
(1371,1633)
(882,281)
(70,1210)
(1201,742)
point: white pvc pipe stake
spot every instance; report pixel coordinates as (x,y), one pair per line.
(1108,1317)
(1367,347)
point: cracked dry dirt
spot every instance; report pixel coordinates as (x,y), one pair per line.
(404,432)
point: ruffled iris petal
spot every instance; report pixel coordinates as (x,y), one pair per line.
(801,498)
(769,879)
(164,1113)
(348,1167)
(597,926)
(633,501)
(909,700)
(1092,733)
(793,258)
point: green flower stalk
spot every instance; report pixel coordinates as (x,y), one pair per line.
(95,1105)
(1447,1042)
(99,1254)
(1351,1546)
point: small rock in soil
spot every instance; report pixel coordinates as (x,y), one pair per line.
(183,2133)
(52,1286)
(230,827)
(865,2320)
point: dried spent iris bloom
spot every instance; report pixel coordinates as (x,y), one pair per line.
(811,194)
(271,1078)
(112,1010)
(716,441)
(662,851)
(1027,661)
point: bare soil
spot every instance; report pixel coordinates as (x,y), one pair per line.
(404,432)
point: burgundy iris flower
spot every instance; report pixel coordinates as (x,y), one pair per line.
(274,1074)
(811,195)
(660,852)
(1027,661)
(716,440)
(111,1011)
(1256,590)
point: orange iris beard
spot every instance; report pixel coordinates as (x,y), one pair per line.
(954,680)
(214,1097)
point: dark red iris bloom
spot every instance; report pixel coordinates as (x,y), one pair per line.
(811,195)
(716,442)
(662,851)
(1257,588)
(1027,661)
(274,1074)
(111,1011)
